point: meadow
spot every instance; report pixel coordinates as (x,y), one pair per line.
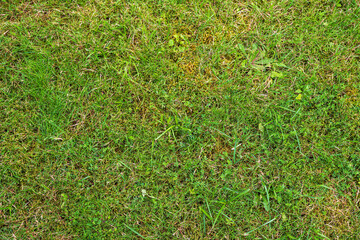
(179,119)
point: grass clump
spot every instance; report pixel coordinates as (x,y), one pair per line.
(179,119)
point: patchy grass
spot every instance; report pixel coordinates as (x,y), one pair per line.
(179,119)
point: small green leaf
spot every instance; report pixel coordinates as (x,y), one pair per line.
(266,205)
(280,65)
(265,61)
(299,97)
(259,67)
(243,63)
(254,46)
(181,49)
(171,42)
(276,75)
(261,127)
(242,48)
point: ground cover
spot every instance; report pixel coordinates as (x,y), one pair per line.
(176,119)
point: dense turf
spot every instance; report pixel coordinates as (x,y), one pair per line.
(174,119)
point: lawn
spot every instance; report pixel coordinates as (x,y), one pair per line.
(175,119)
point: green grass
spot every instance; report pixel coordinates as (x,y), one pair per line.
(176,119)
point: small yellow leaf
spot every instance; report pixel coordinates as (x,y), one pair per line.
(299,97)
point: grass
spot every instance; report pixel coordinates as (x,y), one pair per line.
(176,119)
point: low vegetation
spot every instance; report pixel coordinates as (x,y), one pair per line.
(175,119)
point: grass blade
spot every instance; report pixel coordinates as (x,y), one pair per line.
(135,232)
